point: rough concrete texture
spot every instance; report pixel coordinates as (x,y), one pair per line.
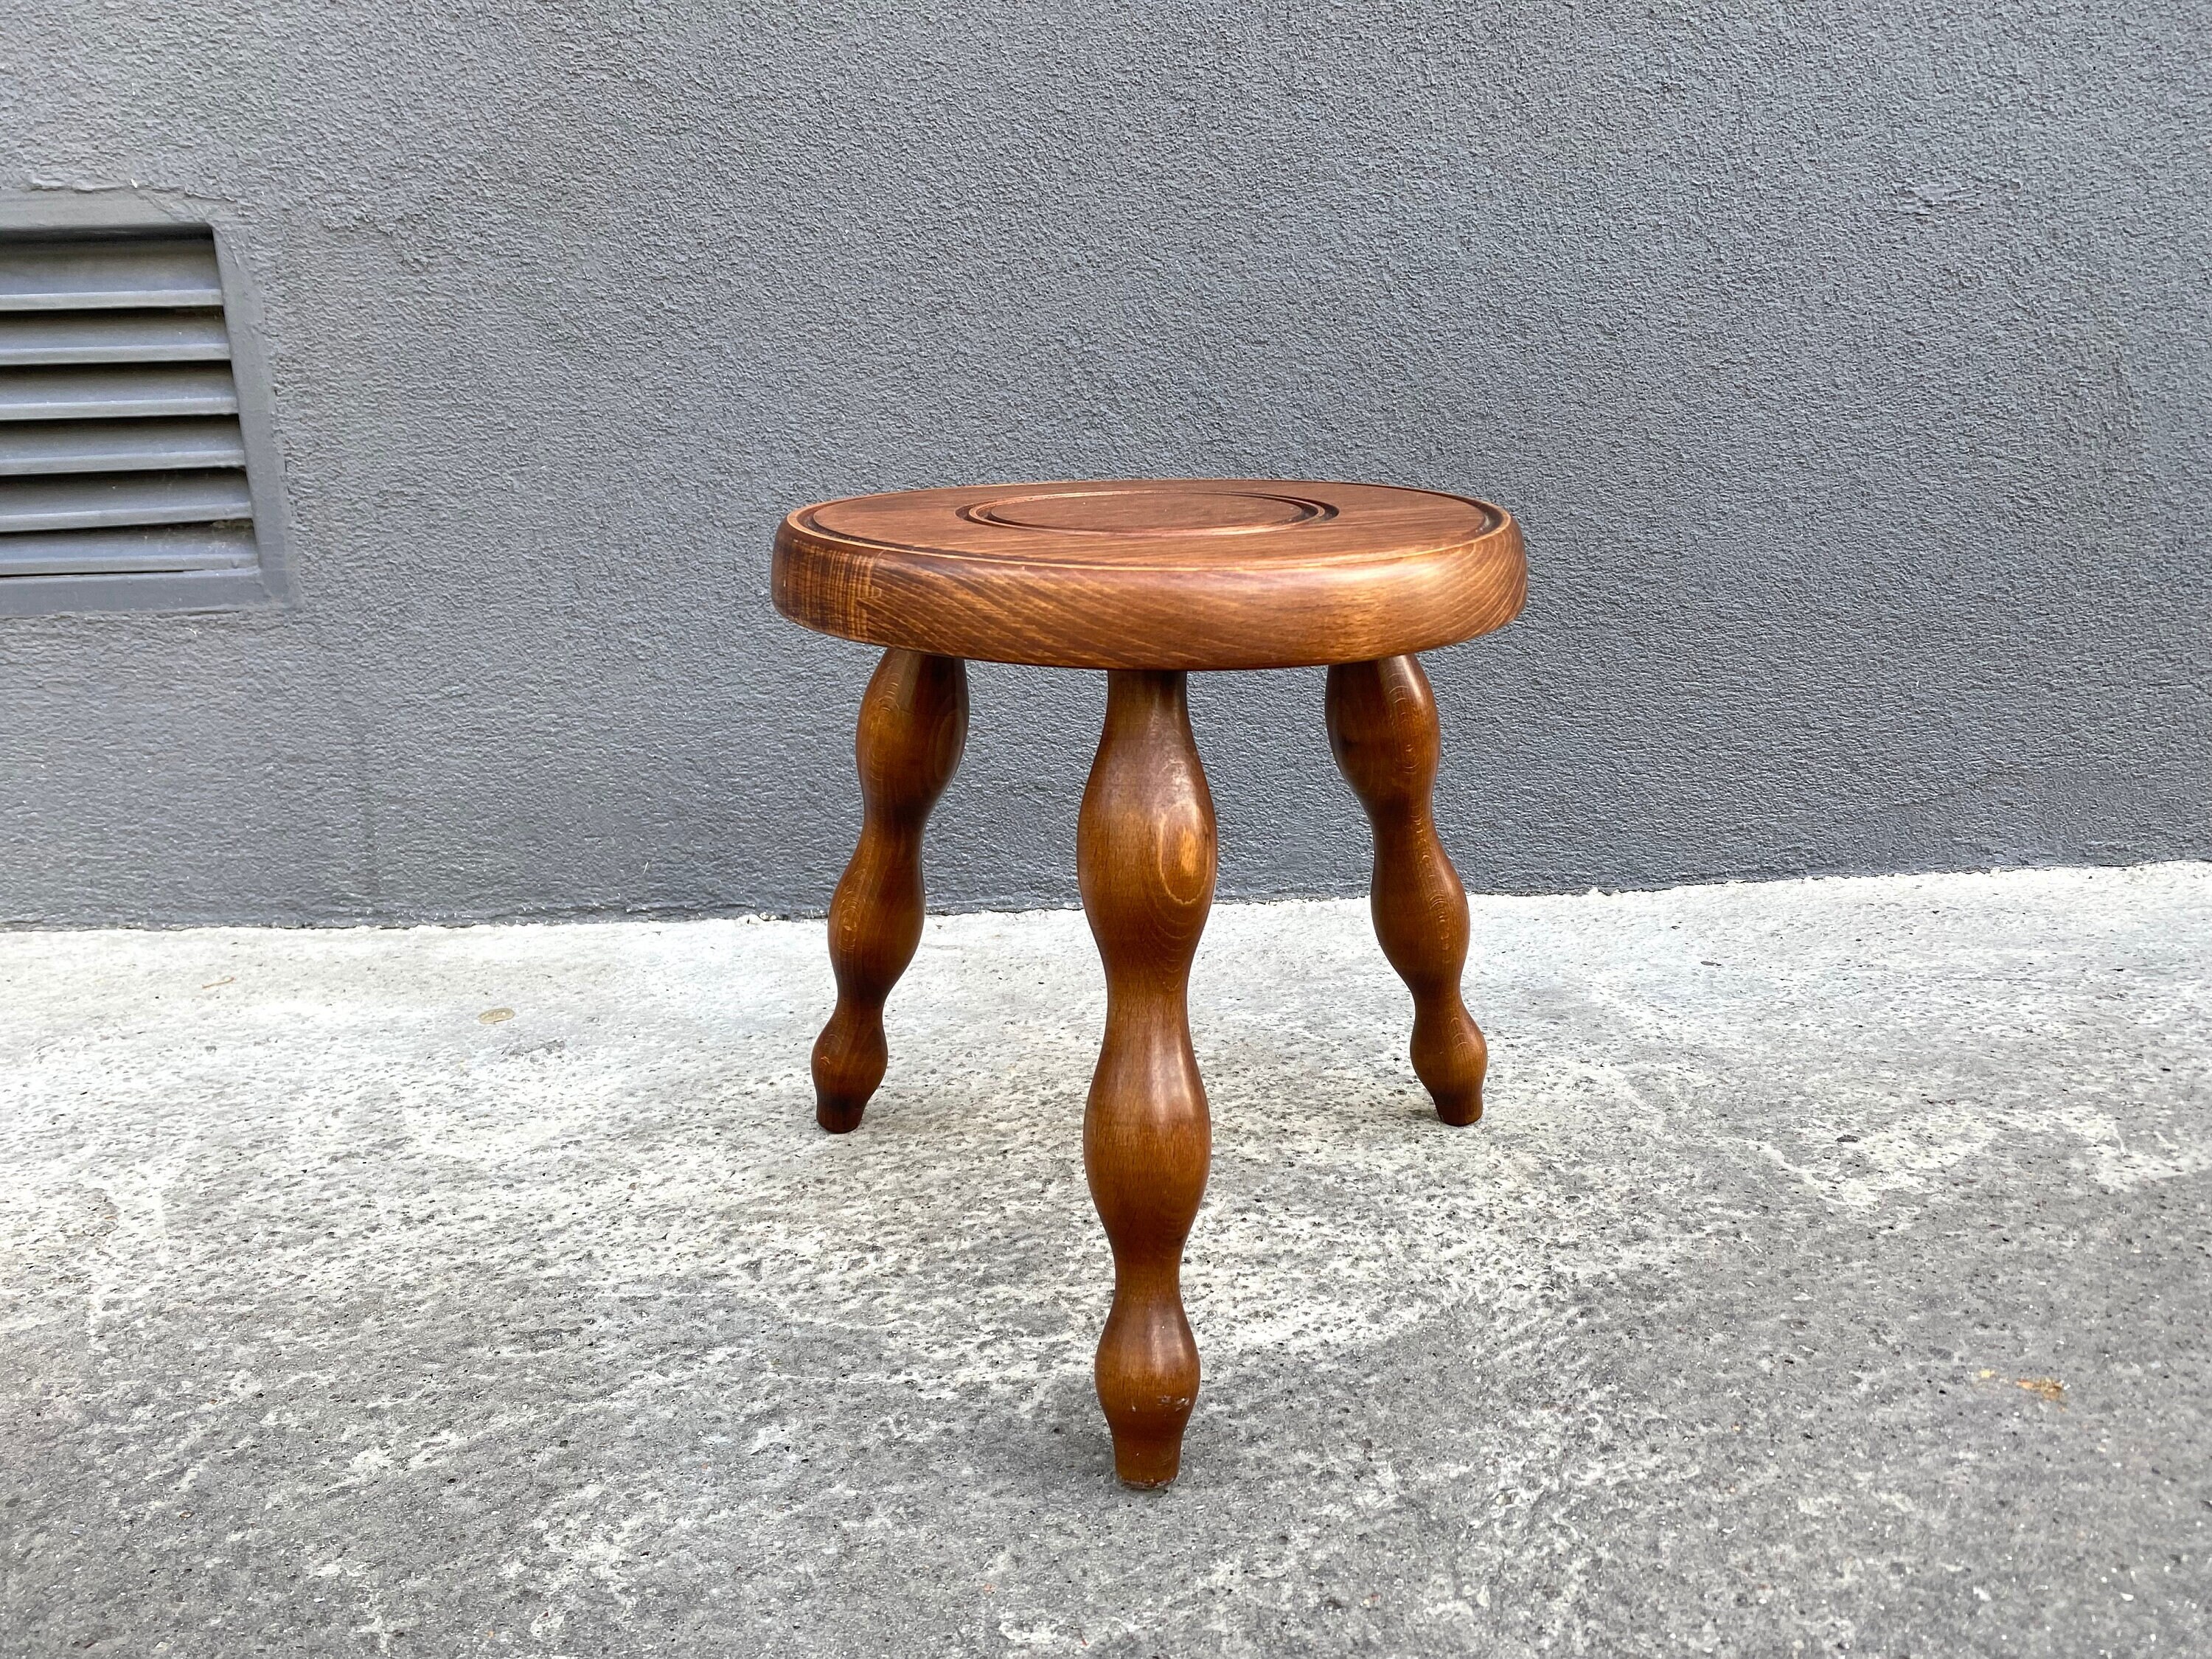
(1848,363)
(1830,1275)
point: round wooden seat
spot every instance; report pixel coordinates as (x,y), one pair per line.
(1156,574)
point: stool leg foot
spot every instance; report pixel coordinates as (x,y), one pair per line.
(1382,730)
(1145,863)
(914,722)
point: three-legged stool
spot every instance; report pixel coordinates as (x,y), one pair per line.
(1148,580)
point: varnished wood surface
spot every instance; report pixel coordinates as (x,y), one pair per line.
(1145,864)
(914,722)
(1382,730)
(1160,573)
(1149,579)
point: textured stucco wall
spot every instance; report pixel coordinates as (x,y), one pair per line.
(1850,365)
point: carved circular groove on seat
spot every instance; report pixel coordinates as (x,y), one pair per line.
(1147,512)
(1154,573)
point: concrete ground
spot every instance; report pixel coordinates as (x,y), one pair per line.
(1830,1275)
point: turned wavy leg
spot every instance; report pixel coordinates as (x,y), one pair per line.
(1382,729)
(1145,862)
(914,722)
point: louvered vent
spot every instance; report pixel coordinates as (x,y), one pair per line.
(123,474)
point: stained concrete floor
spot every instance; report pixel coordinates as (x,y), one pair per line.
(1832,1274)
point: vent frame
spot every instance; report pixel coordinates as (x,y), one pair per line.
(268,582)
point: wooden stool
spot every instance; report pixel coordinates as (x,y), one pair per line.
(1147,580)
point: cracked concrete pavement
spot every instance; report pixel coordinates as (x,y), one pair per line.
(1832,1273)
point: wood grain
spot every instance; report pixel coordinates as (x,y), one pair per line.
(1165,573)
(914,723)
(1382,730)
(1150,578)
(1145,863)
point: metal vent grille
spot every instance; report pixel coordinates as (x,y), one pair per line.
(123,466)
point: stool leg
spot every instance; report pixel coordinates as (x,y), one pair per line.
(1145,862)
(1382,729)
(914,722)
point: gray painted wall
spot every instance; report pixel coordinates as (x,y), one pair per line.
(1850,365)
